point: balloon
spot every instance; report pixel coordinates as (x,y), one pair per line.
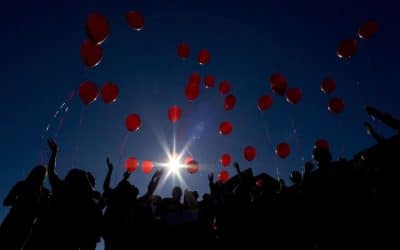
(282,150)
(260,183)
(135,20)
(203,57)
(293,95)
(147,167)
(187,160)
(347,48)
(225,128)
(133,122)
(183,51)
(321,143)
(209,81)
(131,164)
(88,92)
(336,105)
(223,176)
(174,113)
(225,160)
(109,92)
(224,87)
(91,53)
(368,29)
(249,153)
(195,78)
(97,28)
(328,85)
(193,167)
(264,102)
(192,91)
(230,102)
(278,83)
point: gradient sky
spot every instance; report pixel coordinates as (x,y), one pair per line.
(248,41)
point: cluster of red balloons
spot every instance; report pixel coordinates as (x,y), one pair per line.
(97,30)
(88,92)
(348,48)
(132,164)
(183,51)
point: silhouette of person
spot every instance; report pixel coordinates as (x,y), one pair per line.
(26,199)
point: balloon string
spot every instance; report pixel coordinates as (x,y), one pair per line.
(122,148)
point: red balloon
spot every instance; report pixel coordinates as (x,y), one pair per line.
(336,105)
(249,153)
(183,51)
(229,102)
(224,87)
(282,150)
(225,128)
(133,122)
(347,48)
(174,113)
(209,81)
(278,83)
(368,29)
(321,143)
(193,167)
(225,160)
(88,92)
(109,92)
(264,102)
(293,95)
(260,183)
(328,85)
(192,91)
(203,57)
(131,164)
(195,78)
(135,20)
(223,176)
(97,28)
(147,167)
(187,160)
(91,53)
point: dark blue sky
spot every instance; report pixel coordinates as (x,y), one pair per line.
(248,41)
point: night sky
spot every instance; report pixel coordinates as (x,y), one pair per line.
(248,41)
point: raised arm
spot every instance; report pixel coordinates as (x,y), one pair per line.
(107,180)
(373,133)
(55,181)
(384,117)
(151,188)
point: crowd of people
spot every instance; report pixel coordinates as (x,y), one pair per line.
(330,205)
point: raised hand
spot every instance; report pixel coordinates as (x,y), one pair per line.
(109,164)
(52,145)
(211,177)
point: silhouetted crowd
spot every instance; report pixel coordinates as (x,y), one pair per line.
(330,205)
